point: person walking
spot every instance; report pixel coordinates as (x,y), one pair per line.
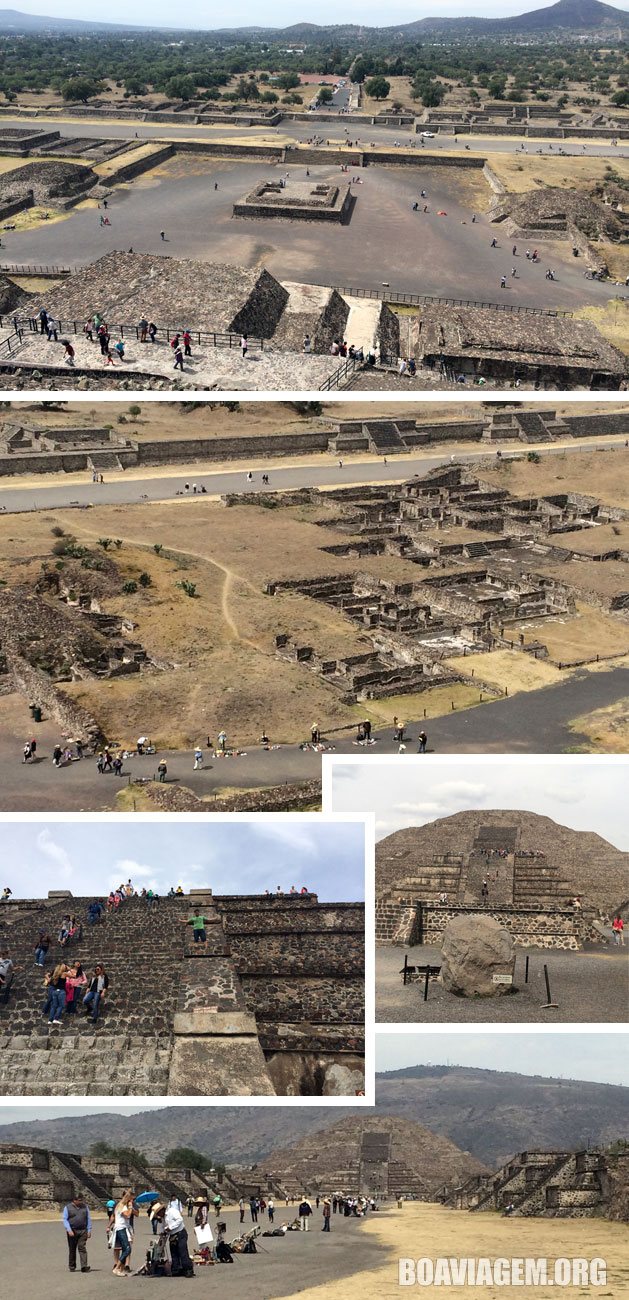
(423,741)
(270,1209)
(618,927)
(244,345)
(77,1222)
(198,758)
(326,1214)
(241,1209)
(199,933)
(305,1210)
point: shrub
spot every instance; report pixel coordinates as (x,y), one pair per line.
(145,580)
(190,588)
(57,531)
(129,587)
(158,547)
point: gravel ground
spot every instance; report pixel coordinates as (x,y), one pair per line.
(587,986)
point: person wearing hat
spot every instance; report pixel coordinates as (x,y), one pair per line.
(180,1262)
(305,1210)
(326,1214)
(156,1214)
(201,1211)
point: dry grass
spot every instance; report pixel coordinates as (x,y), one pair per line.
(507,669)
(569,640)
(426,1230)
(432,703)
(607,730)
(612,321)
(400,93)
(520,172)
(601,474)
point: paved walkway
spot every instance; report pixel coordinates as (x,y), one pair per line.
(587,986)
(283,1266)
(534,722)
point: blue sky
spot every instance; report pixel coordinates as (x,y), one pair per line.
(596,1058)
(585,794)
(250,13)
(230,857)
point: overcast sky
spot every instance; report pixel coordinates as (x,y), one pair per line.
(585,794)
(596,1058)
(257,13)
(231,857)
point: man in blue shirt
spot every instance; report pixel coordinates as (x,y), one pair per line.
(77,1222)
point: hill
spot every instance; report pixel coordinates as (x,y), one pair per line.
(587,863)
(487,1113)
(372,1153)
(570,17)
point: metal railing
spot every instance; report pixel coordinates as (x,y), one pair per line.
(11,343)
(11,268)
(342,372)
(209,338)
(424,300)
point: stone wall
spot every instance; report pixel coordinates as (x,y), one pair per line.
(407,922)
(277,975)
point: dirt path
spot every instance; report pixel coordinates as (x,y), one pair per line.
(230,579)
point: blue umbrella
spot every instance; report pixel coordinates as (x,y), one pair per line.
(146,1198)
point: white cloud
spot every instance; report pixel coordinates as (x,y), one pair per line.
(299,837)
(56,853)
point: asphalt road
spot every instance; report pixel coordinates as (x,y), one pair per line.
(533,722)
(282,1267)
(302,131)
(116,491)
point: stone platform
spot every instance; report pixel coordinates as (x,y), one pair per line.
(298,201)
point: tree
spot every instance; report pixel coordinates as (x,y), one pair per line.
(378,87)
(325,95)
(288,81)
(180,88)
(79,89)
(187,1158)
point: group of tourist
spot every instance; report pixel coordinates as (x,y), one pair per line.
(66,985)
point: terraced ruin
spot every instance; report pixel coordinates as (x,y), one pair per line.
(273,1004)
(550,1184)
(426,876)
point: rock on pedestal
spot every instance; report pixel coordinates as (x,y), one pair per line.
(478,957)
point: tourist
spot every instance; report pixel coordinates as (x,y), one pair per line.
(307,344)
(55,982)
(198,758)
(152,332)
(335,1203)
(119,348)
(241,1209)
(222,741)
(75,979)
(244,345)
(97,991)
(122,1226)
(484,891)
(43,320)
(197,922)
(254,1206)
(618,927)
(315,733)
(423,741)
(270,1209)
(326,1214)
(41,947)
(503,282)
(305,1210)
(52,329)
(77,1222)
(178,359)
(143,328)
(162,235)
(69,351)
(187,343)
(162,769)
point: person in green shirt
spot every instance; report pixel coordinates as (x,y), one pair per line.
(198,927)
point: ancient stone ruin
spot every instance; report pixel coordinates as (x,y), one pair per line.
(522,870)
(273,1004)
(486,561)
(297,201)
(549,1184)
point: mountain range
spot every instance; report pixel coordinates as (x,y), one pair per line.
(487,1113)
(569,17)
